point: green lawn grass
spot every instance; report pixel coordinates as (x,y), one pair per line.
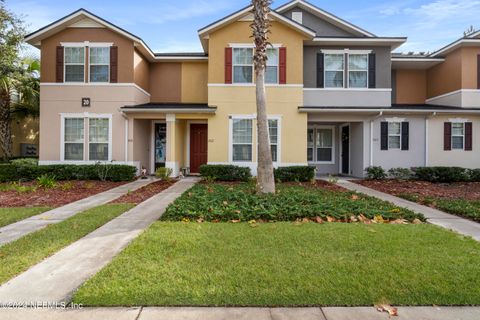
(19,255)
(11,215)
(289,264)
(461,207)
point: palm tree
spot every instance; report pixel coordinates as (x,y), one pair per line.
(260,27)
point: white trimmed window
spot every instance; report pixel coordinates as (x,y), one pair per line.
(458,135)
(394,135)
(74,64)
(99,64)
(242,140)
(358,70)
(273,136)
(334,68)
(271,73)
(98,134)
(310,144)
(320,147)
(242,64)
(74,139)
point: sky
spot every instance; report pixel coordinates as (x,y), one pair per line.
(171,26)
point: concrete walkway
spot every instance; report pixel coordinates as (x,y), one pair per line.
(21,228)
(159,313)
(434,216)
(55,278)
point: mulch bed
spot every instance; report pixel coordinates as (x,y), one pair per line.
(145,192)
(65,192)
(464,190)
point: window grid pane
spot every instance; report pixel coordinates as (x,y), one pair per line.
(98,130)
(74,130)
(242,139)
(74,64)
(334,67)
(99,64)
(324,145)
(74,151)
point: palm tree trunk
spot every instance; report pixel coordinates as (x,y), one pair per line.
(6,143)
(260,27)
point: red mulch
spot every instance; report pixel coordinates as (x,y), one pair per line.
(55,197)
(144,193)
(465,190)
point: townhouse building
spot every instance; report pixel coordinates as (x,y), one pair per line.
(338,97)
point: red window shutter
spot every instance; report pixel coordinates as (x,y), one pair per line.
(113,64)
(228,65)
(468,136)
(282,66)
(59,65)
(447,136)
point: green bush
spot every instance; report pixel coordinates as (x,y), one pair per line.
(46,181)
(400,173)
(220,202)
(442,174)
(376,173)
(164,173)
(295,173)
(474,175)
(225,172)
(25,162)
(12,172)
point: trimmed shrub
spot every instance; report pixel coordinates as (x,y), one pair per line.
(295,174)
(474,175)
(442,174)
(25,162)
(375,173)
(225,172)
(400,173)
(11,172)
(164,173)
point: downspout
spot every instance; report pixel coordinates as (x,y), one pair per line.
(371,135)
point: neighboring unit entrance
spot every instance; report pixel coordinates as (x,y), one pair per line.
(160,145)
(198,146)
(345,149)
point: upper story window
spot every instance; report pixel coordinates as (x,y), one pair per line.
(243,68)
(334,68)
(99,64)
(358,70)
(74,64)
(242,65)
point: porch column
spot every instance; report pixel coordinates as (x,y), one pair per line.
(172,162)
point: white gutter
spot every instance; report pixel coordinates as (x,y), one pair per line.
(190,110)
(353,110)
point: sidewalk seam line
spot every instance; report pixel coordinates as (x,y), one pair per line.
(139,313)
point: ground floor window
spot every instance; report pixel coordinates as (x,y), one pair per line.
(320,145)
(458,135)
(273,135)
(75,142)
(394,135)
(242,139)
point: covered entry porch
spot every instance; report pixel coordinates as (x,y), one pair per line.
(171,136)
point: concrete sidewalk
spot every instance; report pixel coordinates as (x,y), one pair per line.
(21,228)
(434,216)
(159,313)
(57,277)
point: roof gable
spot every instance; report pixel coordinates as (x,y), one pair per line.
(331,19)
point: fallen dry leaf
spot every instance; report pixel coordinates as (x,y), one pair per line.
(417,221)
(378,219)
(353,218)
(354,197)
(200,220)
(331,219)
(235,221)
(399,221)
(305,220)
(318,220)
(387,308)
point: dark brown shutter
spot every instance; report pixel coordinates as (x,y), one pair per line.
(320,68)
(59,65)
(113,64)
(384,136)
(468,136)
(228,65)
(478,71)
(372,67)
(405,135)
(447,136)
(282,78)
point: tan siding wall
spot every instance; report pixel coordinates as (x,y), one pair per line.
(240,32)
(469,67)
(141,71)
(166,82)
(125,50)
(445,77)
(194,82)
(24,131)
(411,86)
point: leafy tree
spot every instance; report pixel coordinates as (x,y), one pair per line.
(260,28)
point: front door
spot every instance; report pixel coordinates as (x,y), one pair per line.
(198,146)
(160,147)
(345,150)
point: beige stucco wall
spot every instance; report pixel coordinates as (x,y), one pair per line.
(438,157)
(240,32)
(141,70)
(238,100)
(125,50)
(105,99)
(166,82)
(411,86)
(194,82)
(445,77)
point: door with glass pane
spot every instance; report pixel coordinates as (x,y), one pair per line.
(160,147)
